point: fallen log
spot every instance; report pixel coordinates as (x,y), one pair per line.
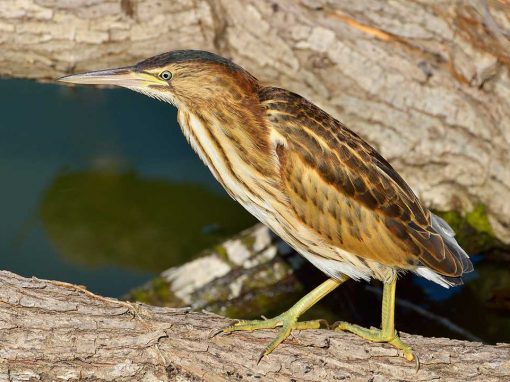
(55,331)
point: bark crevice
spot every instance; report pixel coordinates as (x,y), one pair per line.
(57,331)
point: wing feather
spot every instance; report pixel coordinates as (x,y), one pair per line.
(344,190)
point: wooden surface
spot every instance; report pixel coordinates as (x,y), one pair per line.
(54,332)
(427,82)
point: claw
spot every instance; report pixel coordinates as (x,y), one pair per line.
(378,335)
(261,355)
(417,363)
(216,332)
(224,329)
(282,335)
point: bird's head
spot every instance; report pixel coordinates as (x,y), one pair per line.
(185,78)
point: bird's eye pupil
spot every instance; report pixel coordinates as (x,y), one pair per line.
(166,75)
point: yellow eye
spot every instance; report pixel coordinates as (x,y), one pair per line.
(166,75)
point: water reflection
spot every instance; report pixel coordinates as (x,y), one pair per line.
(52,136)
(99,218)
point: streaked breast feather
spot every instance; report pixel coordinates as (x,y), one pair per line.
(218,153)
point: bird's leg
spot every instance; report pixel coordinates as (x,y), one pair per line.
(289,319)
(387,333)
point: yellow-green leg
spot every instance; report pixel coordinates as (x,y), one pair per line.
(387,333)
(288,320)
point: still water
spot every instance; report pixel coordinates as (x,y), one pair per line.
(100,188)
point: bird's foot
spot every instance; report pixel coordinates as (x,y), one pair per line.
(378,335)
(287,321)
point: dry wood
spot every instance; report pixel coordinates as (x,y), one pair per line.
(427,82)
(232,279)
(51,331)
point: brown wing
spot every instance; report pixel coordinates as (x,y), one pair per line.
(339,186)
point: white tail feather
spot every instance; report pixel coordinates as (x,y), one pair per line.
(429,274)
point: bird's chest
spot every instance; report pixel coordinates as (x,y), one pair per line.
(234,169)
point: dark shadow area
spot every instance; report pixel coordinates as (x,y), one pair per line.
(478,310)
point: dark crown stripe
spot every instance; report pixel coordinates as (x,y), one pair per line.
(185,56)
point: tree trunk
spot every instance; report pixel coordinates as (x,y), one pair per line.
(53,331)
(427,82)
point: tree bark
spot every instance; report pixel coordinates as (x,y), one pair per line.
(232,279)
(53,331)
(427,82)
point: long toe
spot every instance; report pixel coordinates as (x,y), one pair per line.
(377,335)
(282,335)
(288,322)
(406,349)
(251,325)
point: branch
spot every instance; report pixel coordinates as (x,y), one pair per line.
(54,331)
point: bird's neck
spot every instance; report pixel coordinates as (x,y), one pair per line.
(234,144)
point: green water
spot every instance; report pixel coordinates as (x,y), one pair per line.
(100,188)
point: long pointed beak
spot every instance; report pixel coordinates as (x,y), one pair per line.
(125,77)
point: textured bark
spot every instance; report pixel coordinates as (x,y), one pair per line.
(427,82)
(51,331)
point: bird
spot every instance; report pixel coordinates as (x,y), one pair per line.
(314,182)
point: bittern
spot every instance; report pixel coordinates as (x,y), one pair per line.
(311,180)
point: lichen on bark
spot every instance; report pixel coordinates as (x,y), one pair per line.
(473,230)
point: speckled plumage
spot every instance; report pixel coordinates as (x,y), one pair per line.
(314,182)
(300,171)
